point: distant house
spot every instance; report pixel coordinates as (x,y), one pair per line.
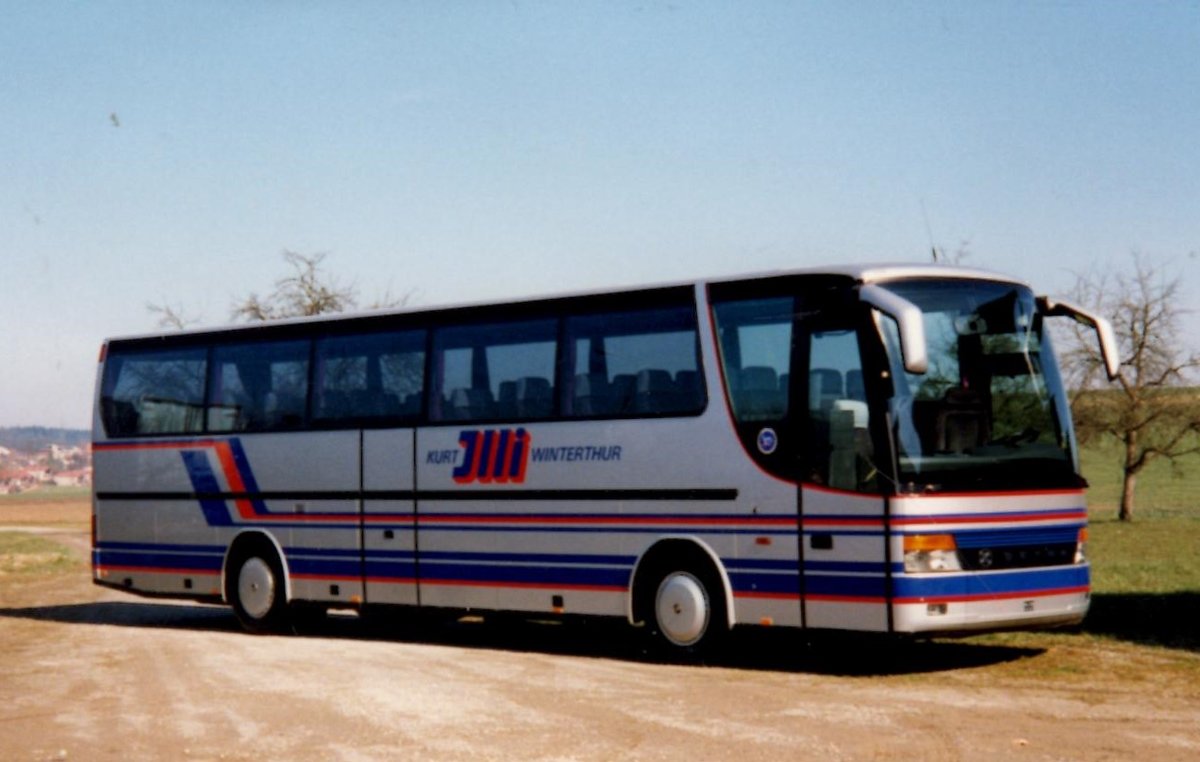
(44,465)
(80,477)
(14,480)
(9,481)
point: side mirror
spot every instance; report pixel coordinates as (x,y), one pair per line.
(1103,329)
(908,319)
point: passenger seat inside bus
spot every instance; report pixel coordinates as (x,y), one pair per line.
(652,390)
(592,395)
(468,404)
(656,392)
(281,410)
(535,397)
(961,421)
(824,388)
(373,403)
(624,392)
(506,400)
(758,396)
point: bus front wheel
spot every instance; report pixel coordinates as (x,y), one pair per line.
(686,615)
(256,591)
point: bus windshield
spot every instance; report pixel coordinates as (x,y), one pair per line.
(990,413)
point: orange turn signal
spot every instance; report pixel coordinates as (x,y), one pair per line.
(918,542)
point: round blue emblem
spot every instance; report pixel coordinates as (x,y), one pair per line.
(767,441)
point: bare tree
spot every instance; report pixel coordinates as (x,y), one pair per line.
(1153,413)
(308,289)
(170,316)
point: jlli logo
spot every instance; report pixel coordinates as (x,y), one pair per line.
(493,455)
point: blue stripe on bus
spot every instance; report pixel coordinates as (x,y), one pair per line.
(765,564)
(320,567)
(744,582)
(204,481)
(998,538)
(845,586)
(162,547)
(164,561)
(531,558)
(399,569)
(850,567)
(293,551)
(569,576)
(983,585)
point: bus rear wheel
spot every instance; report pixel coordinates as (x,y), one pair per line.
(256,590)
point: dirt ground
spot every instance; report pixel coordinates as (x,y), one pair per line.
(92,674)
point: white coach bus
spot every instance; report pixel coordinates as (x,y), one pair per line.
(881,449)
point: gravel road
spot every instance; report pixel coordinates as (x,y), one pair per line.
(92,674)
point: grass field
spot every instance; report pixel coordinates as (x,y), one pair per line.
(1145,573)
(27,554)
(48,495)
(1163,489)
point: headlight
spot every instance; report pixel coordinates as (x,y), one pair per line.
(930,553)
(1081,546)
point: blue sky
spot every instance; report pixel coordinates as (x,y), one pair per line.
(169,152)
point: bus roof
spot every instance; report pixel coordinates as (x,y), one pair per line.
(856,273)
(882,272)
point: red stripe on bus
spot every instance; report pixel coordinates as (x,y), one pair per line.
(156,570)
(845,599)
(526,585)
(1024,517)
(767,596)
(994,596)
(469,518)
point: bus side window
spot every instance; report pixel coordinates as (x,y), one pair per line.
(258,386)
(494,371)
(153,392)
(633,363)
(362,379)
(756,346)
(840,452)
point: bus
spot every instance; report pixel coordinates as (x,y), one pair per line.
(873,448)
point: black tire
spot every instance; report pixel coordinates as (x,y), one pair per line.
(255,585)
(683,608)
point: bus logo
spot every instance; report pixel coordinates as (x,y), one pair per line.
(768,441)
(498,456)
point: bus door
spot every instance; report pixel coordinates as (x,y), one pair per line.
(755,333)
(842,512)
(371,384)
(389,530)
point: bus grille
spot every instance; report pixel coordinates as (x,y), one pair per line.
(1017,548)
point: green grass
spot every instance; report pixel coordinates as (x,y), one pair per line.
(48,495)
(28,554)
(1159,555)
(1145,573)
(1163,488)
(1146,580)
